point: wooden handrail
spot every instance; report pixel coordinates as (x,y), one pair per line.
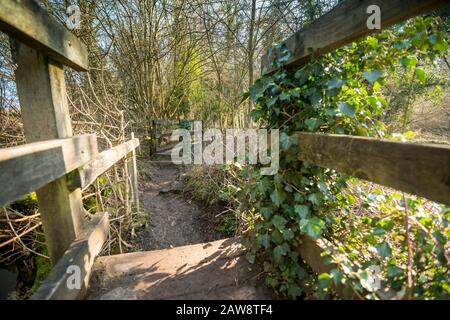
(31,24)
(421,169)
(345,23)
(26,168)
(81,254)
(97,166)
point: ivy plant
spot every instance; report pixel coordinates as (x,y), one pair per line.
(342,92)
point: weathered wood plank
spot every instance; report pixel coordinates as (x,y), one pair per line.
(97,166)
(420,169)
(134,176)
(80,256)
(213,270)
(345,23)
(26,168)
(313,252)
(29,23)
(45,113)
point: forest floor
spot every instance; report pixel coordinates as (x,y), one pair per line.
(173,219)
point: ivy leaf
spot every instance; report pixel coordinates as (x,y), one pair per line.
(324,280)
(257,90)
(408,62)
(264,185)
(335,83)
(301,76)
(285,141)
(420,74)
(399,45)
(270,102)
(384,250)
(278,196)
(313,123)
(285,96)
(266,212)
(256,114)
(302,211)
(347,109)
(295,92)
(393,271)
(279,222)
(438,42)
(373,75)
(288,234)
(315,198)
(250,257)
(312,227)
(280,251)
(337,276)
(315,98)
(264,240)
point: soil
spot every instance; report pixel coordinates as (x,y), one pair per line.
(174,220)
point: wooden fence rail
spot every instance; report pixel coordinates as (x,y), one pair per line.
(421,169)
(344,24)
(26,168)
(29,23)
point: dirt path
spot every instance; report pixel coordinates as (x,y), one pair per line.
(173,219)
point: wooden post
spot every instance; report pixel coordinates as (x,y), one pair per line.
(154,138)
(45,114)
(134,178)
(125,167)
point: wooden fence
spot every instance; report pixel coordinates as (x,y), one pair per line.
(55,163)
(160,134)
(420,169)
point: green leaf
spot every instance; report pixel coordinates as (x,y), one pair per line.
(256,114)
(264,240)
(279,222)
(337,276)
(257,90)
(266,212)
(279,251)
(271,101)
(250,257)
(409,62)
(285,141)
(313,123)
(302,211)
(347,109)
(335,83)
(402,44)
(373,42)
(288,234)
(373,75)
(384,250)
(315,198)
(420,74)
(312,227)
(278,196)
(285,96)
(324,280)
(393,271)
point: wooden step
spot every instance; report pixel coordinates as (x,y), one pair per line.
(214,270)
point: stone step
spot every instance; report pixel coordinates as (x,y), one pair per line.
(214,270)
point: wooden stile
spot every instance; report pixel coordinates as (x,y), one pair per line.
(45,112)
